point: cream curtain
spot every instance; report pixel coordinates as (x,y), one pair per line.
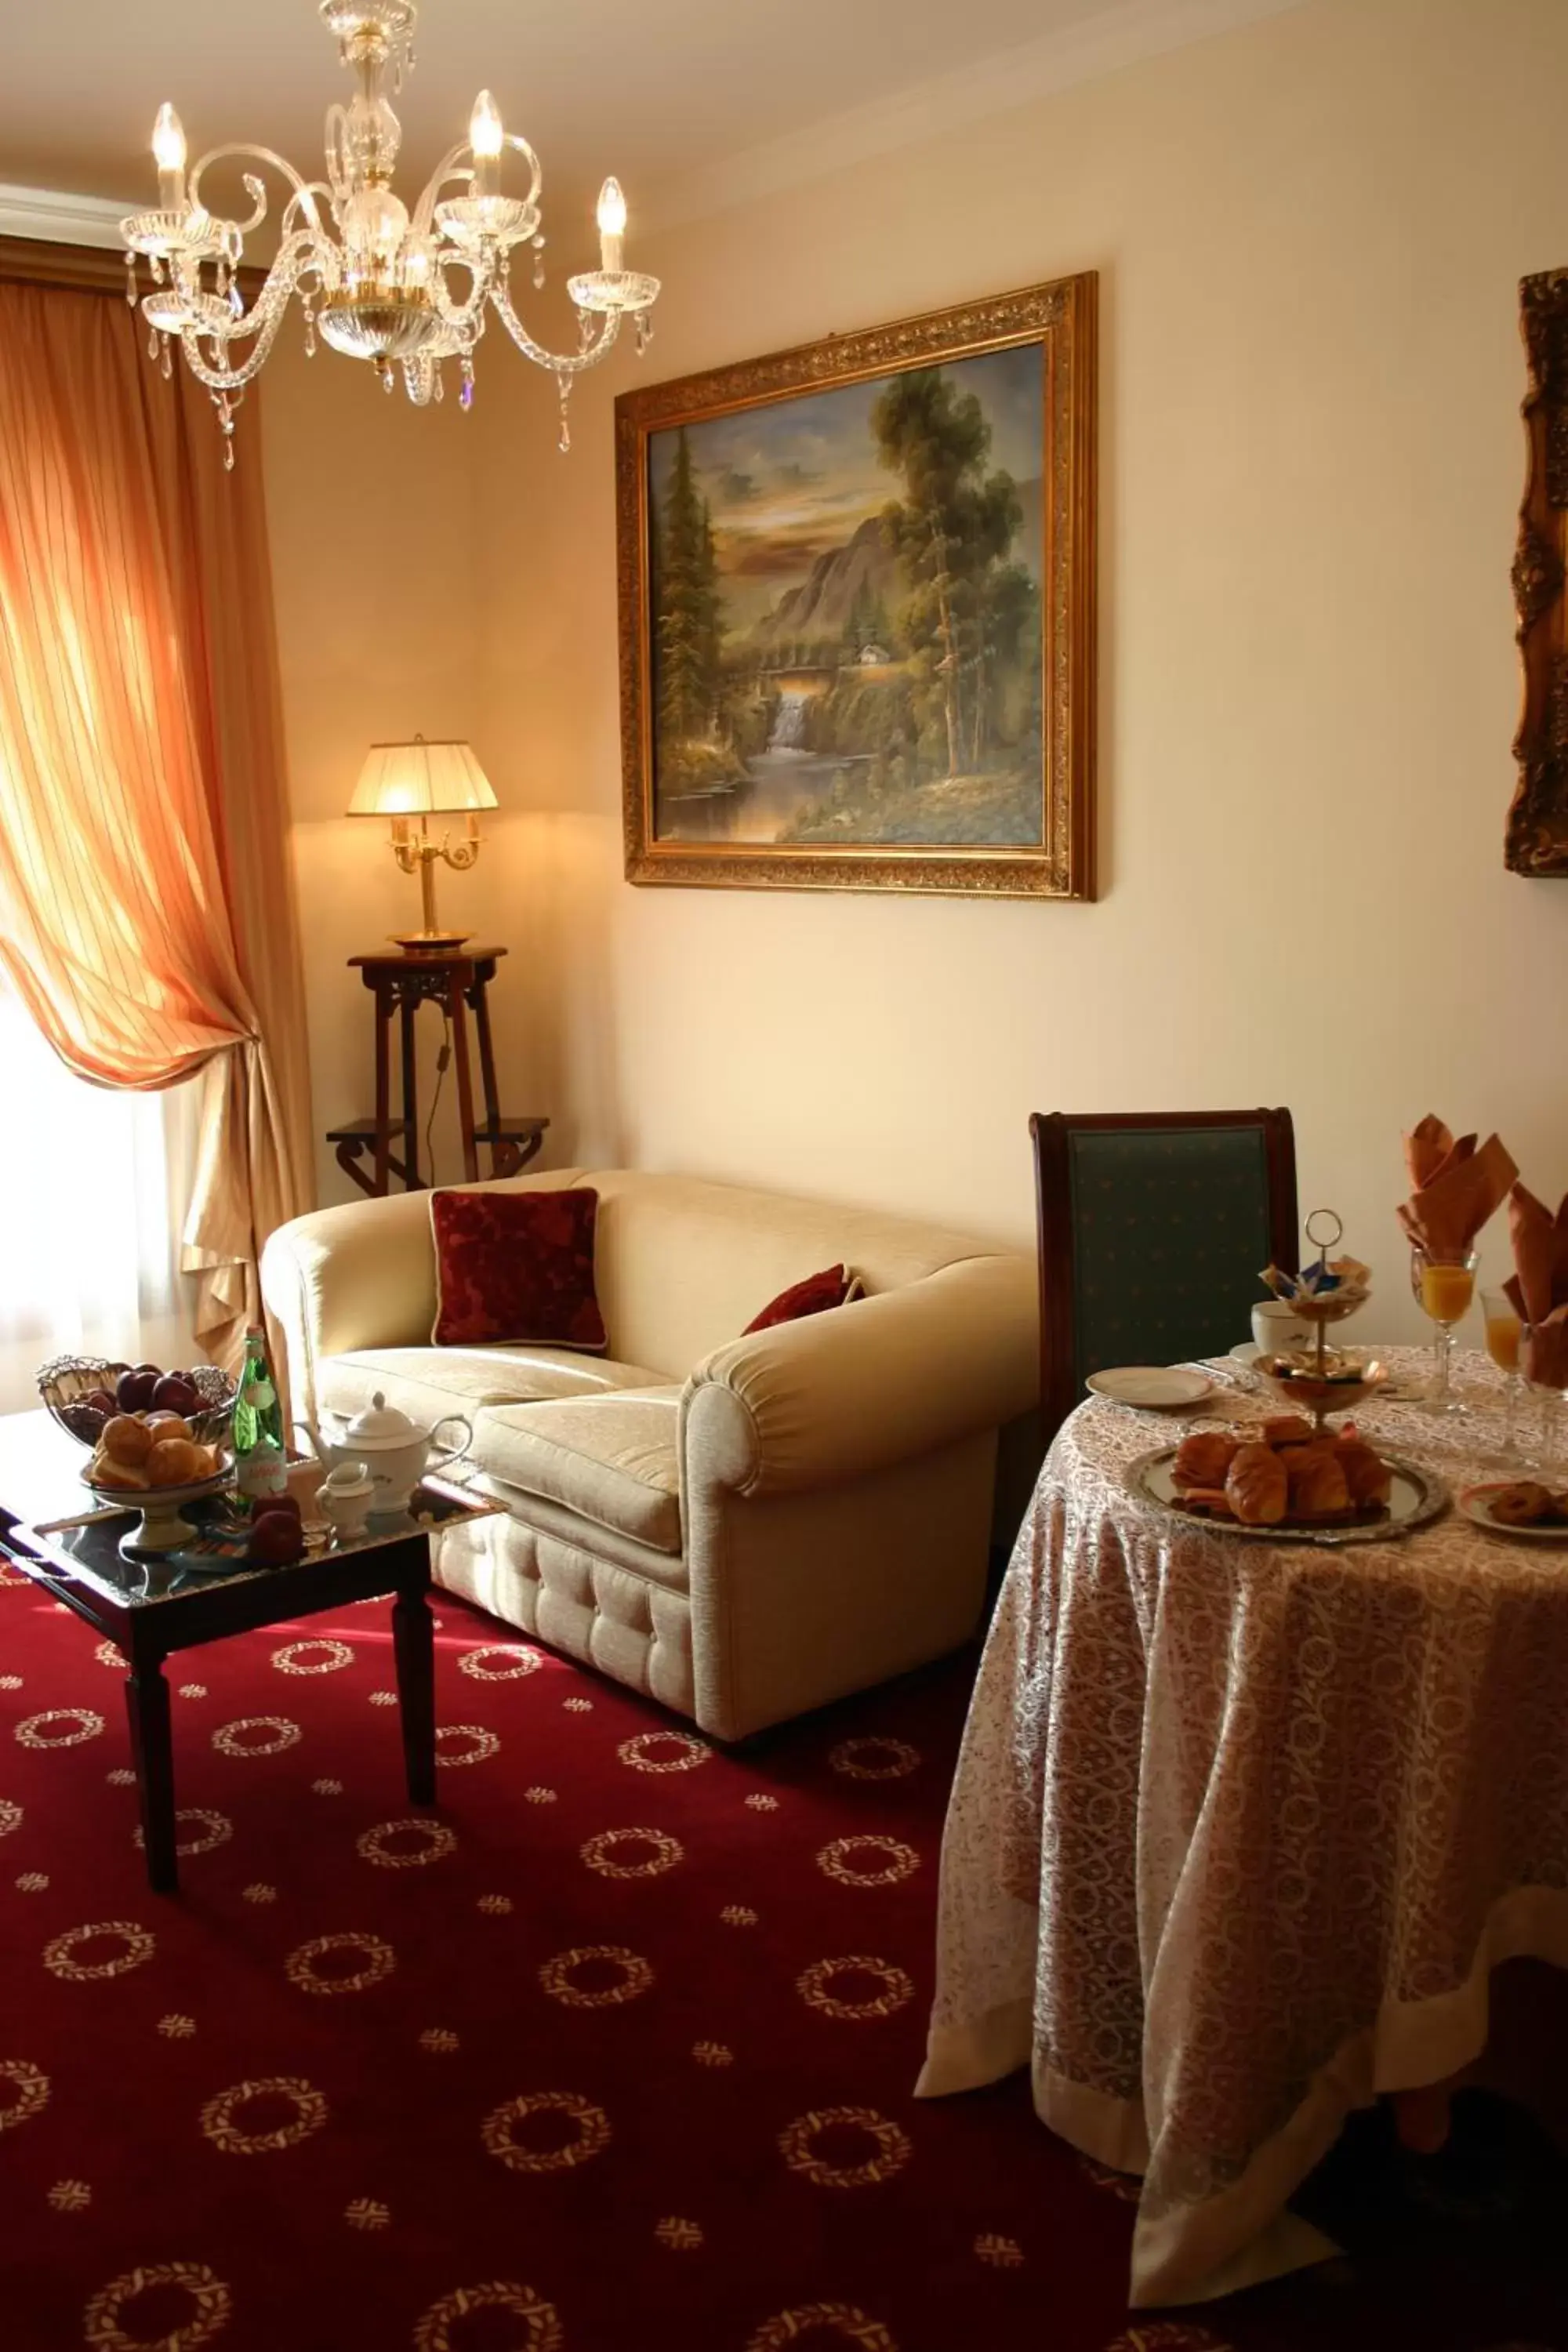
(146,915)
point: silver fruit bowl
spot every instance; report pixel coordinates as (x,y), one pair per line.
(67,1381)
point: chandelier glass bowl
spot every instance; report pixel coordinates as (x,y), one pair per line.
(403,290)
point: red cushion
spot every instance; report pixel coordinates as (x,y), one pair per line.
(834,1286)
(518,1266)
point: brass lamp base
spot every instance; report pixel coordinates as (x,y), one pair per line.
(430,941)
(416,853)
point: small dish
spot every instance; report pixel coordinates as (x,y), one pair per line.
(1246,1355)
(1160,1388)
(1475,1502)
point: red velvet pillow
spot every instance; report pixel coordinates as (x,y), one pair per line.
(518,1266)
(834,1286)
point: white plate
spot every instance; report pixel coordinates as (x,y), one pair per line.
(1246,1355)
(1474,1502)
(1159,1386)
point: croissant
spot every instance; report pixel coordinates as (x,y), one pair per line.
(1212,1500)
(1203,1459)
(1258,1486)
(1297,1460)
(1369,1478)
(1321,1491)
(1287,1429)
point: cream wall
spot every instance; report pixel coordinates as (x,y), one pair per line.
(1309,234)
(375,515)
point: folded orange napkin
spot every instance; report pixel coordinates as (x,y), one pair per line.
(1539,1285)
(1455,1187)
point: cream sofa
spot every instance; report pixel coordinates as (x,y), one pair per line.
(743,1527)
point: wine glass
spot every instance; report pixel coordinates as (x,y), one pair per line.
(1550,1461)
(1444,1282)
(1503,1327)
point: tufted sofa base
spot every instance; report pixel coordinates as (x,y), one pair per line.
(631,1622)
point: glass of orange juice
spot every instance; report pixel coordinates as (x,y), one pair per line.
(1502,1347)
(1444,1287)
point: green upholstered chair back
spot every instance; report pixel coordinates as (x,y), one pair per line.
(1154,1233)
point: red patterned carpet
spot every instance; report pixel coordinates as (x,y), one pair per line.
(613,2055)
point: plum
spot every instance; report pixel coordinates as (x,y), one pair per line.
(133,1391)
(172,1392)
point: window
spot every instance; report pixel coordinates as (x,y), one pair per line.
(92,1194)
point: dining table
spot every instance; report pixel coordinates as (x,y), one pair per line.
(1240,1828)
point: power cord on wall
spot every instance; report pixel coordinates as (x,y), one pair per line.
(442,1059)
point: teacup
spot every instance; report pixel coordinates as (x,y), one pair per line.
(1277,1329)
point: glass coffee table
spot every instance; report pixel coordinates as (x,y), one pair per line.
(54,1532)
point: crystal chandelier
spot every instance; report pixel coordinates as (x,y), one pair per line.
(378,289)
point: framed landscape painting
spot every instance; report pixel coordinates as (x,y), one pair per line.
(857,609)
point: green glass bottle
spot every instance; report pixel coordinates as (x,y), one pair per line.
(260,1457)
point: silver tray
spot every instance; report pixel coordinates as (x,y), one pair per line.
(1418,1496)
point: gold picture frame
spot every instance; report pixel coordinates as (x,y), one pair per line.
(799,708)
(1537,836)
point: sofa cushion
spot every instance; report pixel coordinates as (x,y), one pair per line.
(612,1459)
(834,1286)
(428,1381)
(518,1266)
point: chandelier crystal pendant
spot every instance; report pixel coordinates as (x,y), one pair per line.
(371,278)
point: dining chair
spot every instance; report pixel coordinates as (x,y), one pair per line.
(1155,1229)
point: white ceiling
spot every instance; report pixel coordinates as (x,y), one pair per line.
(665,93)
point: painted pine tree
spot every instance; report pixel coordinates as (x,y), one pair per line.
(690,610)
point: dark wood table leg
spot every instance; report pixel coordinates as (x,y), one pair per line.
(151,1750)
(458,1007)
(412,1180)
(478,998)
(383,1087)
(413,1647)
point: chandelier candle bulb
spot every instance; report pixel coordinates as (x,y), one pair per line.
(487,139)
(169,154)
(611,227)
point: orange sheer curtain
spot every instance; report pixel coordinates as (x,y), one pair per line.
(146,913)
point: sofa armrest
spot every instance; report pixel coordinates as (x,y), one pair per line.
(362,1275)
(856,1389)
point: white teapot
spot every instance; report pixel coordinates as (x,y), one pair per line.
(395,1450)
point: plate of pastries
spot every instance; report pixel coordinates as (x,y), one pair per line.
(1518,1507)
(140,1454)
(1280,1479)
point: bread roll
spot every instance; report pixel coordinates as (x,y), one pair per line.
(168,1424)
(1203,1459)
(176,1462)
(116,1477)
(126,1439)
(1521,1505)
(1258,1486)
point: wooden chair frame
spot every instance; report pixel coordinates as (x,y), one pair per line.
(1051,1131)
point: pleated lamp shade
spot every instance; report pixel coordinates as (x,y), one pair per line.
(420,779)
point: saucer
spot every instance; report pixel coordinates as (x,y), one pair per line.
(1160,1387)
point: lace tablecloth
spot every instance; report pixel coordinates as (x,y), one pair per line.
(1240,1829)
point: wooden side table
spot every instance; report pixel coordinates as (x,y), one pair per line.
(401,981)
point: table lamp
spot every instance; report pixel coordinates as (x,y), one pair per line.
(415,781)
